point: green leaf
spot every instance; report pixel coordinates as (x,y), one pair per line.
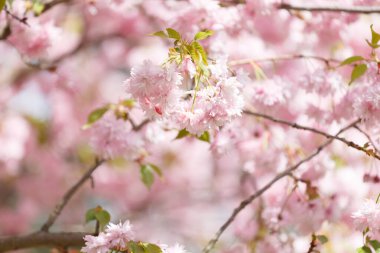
(95,116)
(173,34)
(198,53)
(375,36)
(161,34)
(203,35)
(38,8)
(103,217)
(152,248)
(134,247)
(147,176)
(351,59)
(205,136)
(363,249)
(156,169)
(128,103)
(322,239)
(98,214)
(375,244)
(357,72)
(182,133)
(2,4)
(90,215)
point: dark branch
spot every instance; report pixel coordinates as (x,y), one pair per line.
(315,8)
(351,144)
(281,175)
(59,207)
(42,239)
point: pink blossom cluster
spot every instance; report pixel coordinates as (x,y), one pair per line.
(368,216)
(161,94)
(154,87)
(112,138)
(116,237)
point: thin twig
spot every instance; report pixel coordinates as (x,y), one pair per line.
(22,20)
(327,61)
(247,201)
(349,143)
(53,3)
(369,138)
(59,207)
(139,126)
(335,8)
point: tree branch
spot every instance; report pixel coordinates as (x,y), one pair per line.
(211,244)
(59,207)
(315,8)
(53,3)
(351,144)
(369,139)
(42,239)
(327,61)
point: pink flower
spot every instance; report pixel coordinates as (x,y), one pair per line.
(367,105)
(33,40)
(214,106)
(154,87)
(96,244)
(368,216)
(112,137)
(174,249)
(119,234)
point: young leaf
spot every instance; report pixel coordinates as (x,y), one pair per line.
(200,52)
(173,34)
(147,176)
(98,214)
(205,136)
(375,244)
(152,248)
(90,215)
(357,72)
(38,8)
(128,103)
(363,249)
(351,59)
(156,169)
(375,36)
(161,34)
(203,35)
(322,239)
(181,134)
(95,116)
(134,247)
(2,4)
(103,217)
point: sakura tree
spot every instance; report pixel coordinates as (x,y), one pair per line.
(164,126)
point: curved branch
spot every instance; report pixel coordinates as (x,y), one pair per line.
(211,244)
(59,207)
(42,239)
(349,143)
(315,8)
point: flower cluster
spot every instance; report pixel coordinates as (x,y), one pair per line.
(112,137)
(368,216)
(161,94)
(154,87)
(116,238)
